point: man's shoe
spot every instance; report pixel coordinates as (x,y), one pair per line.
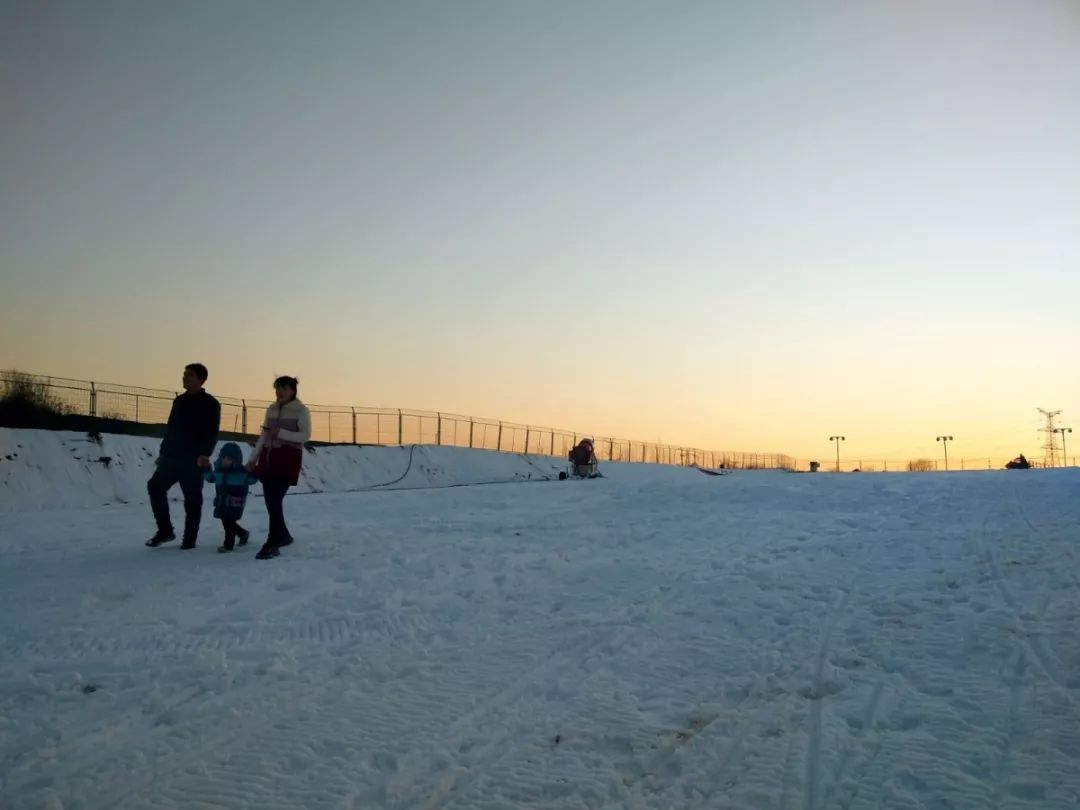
(267,552)
(159,538)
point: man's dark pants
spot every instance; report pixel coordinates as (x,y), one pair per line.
(186,473)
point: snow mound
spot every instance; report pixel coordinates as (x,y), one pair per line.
(43,469)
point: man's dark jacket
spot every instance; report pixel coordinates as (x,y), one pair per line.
(193,427)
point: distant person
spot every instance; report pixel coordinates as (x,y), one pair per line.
(583,457)
(1019,463)
(278,457)
(232,482)
(190,436)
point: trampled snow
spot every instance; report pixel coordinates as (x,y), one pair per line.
(653,639)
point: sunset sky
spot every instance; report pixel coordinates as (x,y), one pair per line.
(736,225)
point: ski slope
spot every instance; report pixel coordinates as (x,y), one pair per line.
(653,639)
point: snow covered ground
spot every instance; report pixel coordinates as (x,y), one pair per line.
(654,639)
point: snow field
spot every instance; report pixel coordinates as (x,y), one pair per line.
(654,639)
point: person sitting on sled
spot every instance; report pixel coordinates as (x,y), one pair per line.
(583,457)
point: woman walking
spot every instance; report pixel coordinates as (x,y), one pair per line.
(277,458)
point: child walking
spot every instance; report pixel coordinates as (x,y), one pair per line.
(232,482)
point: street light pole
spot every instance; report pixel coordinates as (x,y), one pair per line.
(945,443)
(838,439)
(1064,454)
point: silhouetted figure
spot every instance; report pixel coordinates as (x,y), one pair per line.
(583,457)
(278,457)
(189,440)
(1019,463)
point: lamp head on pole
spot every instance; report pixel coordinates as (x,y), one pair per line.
(944,438)
(837,438)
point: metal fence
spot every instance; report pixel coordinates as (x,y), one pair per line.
(921,464)
(382,426)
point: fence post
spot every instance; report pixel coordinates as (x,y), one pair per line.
(243,415)
(93,399)
(498,444)
(400,426)
(551,451)
(438,429)
(528,430)
(472,426)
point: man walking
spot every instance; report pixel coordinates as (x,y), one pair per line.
(189,441)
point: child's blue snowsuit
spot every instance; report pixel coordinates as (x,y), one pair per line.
(232,491)
(232,485)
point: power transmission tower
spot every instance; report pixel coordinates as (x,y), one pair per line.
(1050,451)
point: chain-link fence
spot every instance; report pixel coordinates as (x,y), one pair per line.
(382,426)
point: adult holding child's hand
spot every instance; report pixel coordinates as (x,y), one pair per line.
(278,457)
(190,436)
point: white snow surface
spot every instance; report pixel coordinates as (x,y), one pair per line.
(42,469)
(654,639)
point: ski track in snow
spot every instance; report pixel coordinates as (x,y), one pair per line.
(817,695)
(653,639)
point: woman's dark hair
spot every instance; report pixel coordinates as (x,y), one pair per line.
(287,382)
